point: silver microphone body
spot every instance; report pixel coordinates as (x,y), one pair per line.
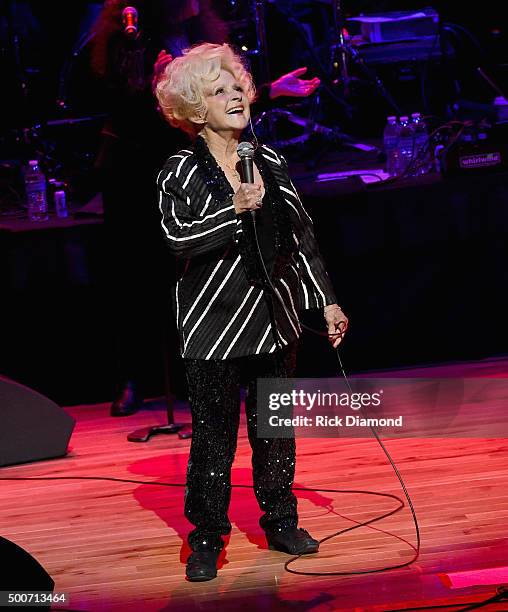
(245,152)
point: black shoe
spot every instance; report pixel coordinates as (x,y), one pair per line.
(293,541)
(202,565)
(128,401)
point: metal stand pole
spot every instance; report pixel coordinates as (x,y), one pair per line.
(261,45)
(184,430)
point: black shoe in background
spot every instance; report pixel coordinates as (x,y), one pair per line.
(127,402)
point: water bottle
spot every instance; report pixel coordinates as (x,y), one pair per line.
(391,145)
(501,106)
(438,158)
(421,142)
(35,189)
(406,144)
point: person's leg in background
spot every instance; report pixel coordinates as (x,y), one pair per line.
(136,300)
(214,395)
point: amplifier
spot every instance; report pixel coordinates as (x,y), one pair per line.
(477,151)
(424,50)
(397,25)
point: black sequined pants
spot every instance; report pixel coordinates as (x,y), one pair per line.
(214,393)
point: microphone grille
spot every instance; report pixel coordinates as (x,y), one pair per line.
(130,13)
(245,149)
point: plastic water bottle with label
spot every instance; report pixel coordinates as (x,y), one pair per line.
(421,144)
(406,145)
(391,146)
(35,189)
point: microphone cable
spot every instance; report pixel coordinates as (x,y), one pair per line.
(416,548)
(501,591)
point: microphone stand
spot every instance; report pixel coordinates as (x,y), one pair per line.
(340,47)
(184,430)
(262,47)
(333,136)
(257,10)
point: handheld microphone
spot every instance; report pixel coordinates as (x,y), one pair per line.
(245,152)
(130,21)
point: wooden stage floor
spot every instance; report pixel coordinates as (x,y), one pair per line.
(121,546)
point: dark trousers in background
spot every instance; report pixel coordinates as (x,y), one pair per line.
(214,394)
(139,272)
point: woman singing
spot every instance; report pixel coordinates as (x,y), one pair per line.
(235,325)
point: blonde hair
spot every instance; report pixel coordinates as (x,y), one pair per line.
(179,90)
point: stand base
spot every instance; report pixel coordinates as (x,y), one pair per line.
(144,434)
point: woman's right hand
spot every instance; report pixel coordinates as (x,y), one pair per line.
(163,59)
(248,197)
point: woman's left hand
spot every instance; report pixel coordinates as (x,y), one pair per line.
(337,323)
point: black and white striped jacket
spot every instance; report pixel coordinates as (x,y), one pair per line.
(221,311)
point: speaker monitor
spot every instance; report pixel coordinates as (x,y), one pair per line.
(21,572)
(32,426)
